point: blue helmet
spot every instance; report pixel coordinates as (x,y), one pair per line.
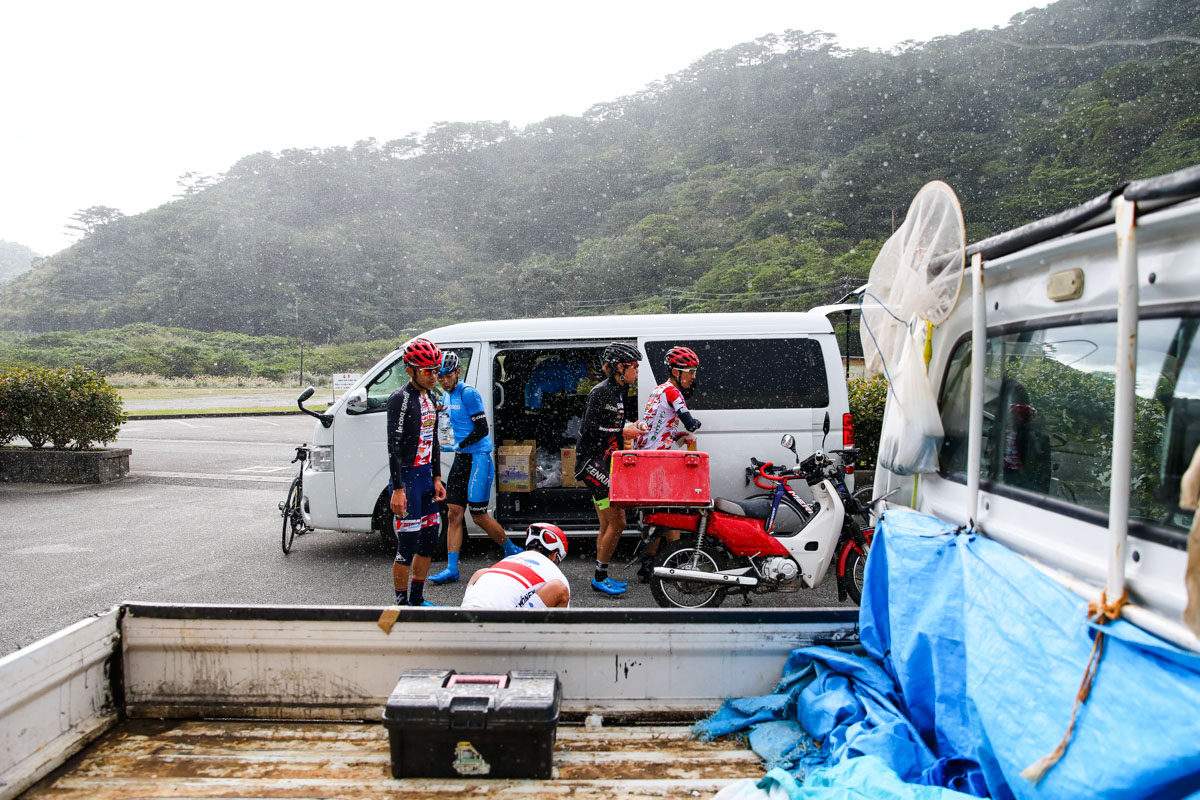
(450,363)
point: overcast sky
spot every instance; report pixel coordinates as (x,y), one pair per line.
(108,102)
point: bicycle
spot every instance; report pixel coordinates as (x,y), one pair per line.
(293,516)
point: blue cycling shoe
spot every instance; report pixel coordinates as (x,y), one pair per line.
(618,584)
(428,604)
(445,576)
(607,586)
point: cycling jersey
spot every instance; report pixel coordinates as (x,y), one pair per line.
(511,582)
(664,408)
(600,432)
(411,439)
(465,407)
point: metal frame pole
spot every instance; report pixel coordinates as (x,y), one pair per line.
(975,419)
(1124,407)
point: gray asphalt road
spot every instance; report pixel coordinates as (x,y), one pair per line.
(197,522)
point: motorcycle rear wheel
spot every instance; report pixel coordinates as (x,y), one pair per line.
(856,568)
(677,593)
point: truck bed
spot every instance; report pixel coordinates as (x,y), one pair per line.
(243,759)
(151,700)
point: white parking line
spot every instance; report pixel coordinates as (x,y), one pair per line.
(208,476)
(263,421)
(263,469)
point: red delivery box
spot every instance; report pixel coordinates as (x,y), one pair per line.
(659,478)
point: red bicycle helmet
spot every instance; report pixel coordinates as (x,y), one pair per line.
(682,358)
(422,353)
(549,537)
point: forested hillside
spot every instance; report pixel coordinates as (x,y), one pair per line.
(14,259)
(761,177)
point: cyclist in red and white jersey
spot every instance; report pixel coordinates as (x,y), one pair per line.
(665,408)
(530,579)
(667,404)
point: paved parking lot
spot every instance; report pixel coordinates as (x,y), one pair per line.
(197,521)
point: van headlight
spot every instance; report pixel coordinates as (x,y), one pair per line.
(320,459)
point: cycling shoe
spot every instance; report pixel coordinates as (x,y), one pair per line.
(607,586)
(428,604)
(445,576)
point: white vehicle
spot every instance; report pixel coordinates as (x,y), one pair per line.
(1070,312)
(761,375)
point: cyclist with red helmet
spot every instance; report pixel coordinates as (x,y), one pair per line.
(601,434)
(530,579)
(414,459)
(667,404)
(665,408)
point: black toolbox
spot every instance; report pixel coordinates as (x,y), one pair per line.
(445,725)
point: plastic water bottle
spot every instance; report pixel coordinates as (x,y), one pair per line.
(445,430)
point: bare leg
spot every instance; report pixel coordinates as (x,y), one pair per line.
(454,528)
(612,525)
(492,528)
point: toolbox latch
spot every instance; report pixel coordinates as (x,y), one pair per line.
(469,713)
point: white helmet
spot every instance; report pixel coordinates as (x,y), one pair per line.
(549,537)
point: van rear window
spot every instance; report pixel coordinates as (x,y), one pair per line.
(740,374)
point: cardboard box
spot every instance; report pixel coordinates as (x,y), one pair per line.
(568,468)
(516,466)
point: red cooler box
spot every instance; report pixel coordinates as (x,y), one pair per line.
(659,478)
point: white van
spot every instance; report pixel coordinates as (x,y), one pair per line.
(761,375)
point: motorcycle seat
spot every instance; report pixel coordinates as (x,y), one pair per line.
(756,508)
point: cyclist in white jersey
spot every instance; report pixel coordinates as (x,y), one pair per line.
(530,579)
(667,404)
(665,409)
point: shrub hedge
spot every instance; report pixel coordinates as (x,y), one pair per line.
(70,408)
(867,396)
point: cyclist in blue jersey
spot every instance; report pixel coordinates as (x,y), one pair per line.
(470,481)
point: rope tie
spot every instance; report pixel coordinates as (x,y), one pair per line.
(1100,613)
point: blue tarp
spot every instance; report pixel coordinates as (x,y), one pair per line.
(974,659)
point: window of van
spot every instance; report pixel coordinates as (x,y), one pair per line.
(1048,415)
(738,374)
(395,376)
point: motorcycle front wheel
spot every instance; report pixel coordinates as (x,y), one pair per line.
(681,593)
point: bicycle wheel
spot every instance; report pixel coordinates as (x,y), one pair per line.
(292,518)
(790,517)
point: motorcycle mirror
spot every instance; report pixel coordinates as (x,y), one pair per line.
(307,393)
(789,442)
(824,430)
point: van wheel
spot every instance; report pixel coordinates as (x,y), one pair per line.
(381,522)
(676,593)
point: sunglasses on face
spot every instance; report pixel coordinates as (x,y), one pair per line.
(688,371)
(427,370)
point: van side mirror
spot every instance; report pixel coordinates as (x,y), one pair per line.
(307,393)
(356,401)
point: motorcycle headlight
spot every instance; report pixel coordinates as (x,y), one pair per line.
(320,459)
